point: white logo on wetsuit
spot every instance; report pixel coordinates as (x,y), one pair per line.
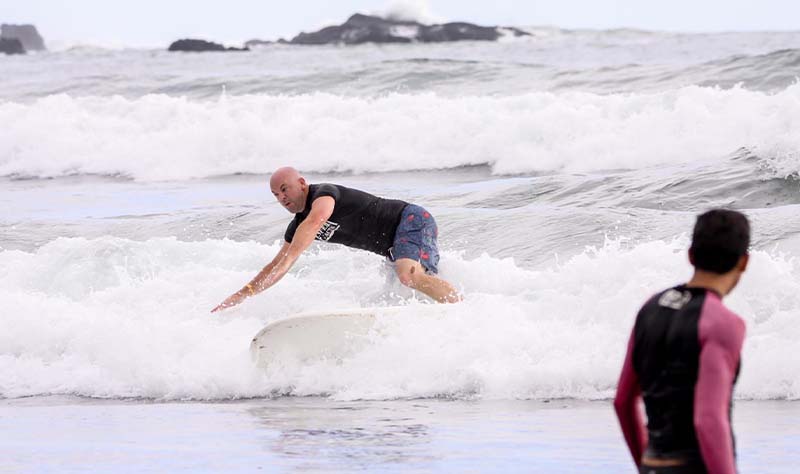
(327,230)
(674,299)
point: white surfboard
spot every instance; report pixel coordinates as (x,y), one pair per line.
(316,336)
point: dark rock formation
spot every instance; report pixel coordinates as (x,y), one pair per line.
(372,29)
(26,34)
(197,46)
(459,32)
(11,46)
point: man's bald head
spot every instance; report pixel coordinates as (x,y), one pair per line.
(289,188)
(282,174)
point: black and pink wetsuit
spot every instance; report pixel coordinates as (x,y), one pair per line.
(683,360)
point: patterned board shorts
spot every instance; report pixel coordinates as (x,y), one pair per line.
(416,238)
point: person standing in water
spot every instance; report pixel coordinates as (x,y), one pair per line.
(404,233)
(683,359)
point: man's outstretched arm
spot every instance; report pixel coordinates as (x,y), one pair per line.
(250,288)
(321,210)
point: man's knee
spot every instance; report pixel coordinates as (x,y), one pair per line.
(407,280)
(409,275)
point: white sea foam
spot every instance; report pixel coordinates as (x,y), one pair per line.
(112,317)
(161,138)
(410,10)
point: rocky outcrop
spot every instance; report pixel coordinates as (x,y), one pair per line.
(26,34)
(11,46)
(360,29)
(198,46)
(372,29)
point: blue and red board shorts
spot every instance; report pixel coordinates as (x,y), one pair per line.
(415,238)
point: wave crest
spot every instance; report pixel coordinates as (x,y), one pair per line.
(164,138)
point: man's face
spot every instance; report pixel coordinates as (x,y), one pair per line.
(290,192)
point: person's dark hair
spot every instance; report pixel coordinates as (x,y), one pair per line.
(719,239)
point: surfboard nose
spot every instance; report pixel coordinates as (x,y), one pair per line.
(313,336)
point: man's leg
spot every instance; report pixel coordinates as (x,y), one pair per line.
(411,274)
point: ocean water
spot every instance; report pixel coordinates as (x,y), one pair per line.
(565,171)
(312,435)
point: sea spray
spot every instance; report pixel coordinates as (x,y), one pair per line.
(114,318)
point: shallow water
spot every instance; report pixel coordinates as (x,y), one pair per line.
(318,435)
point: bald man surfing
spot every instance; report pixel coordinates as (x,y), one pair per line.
(402,232)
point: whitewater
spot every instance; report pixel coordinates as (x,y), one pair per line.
(159,137)
(565,171)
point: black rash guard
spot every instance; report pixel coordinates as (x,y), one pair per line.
(359,220)
(683,359)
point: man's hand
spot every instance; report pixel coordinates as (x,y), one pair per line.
(232,300)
